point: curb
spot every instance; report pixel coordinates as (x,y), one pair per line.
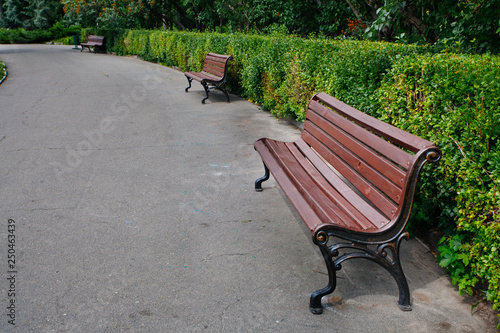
(4,73)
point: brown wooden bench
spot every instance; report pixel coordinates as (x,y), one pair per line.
(213,74)
(97,42)
(352,177)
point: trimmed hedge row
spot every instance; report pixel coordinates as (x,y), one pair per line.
(279,72)
(452,100)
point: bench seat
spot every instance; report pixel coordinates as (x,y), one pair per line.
(213,74)
(96,42)
(350,177)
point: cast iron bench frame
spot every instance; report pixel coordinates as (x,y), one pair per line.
(97,42)
(352,177)
(213,74)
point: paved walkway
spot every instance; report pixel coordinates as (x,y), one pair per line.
(134,210)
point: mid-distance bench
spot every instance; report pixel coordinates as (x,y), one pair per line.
(97,42)
(213,74)
(352,177)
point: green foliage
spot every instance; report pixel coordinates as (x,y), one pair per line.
(278,71)
(31,15)
(2,70)
(58,30)
(21,35)
(472,25)
(453,100)
(12,14)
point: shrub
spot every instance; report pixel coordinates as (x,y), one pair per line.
(280,72)
(453,100)
(22,36)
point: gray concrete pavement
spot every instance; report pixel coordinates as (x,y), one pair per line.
(134,211)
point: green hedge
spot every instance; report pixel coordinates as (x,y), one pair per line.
(279,72)
(452,100)
(23,36)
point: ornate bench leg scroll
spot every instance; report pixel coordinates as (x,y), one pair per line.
(189,81)
(258,182)
(315,306)
(381,256)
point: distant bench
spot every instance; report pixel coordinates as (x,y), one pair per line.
(213,74)
(97,42)
(352,177)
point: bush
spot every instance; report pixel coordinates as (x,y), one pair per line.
(22,36)
(58,31)
(280,72)
(453,100)
(2,70)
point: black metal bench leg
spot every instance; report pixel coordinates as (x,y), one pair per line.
(258,182)
(315,303)
(223,89)
(189,81)
(404,291)
(394,267)
(207,89)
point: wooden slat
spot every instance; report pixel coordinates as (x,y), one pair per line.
(309,217)
(295,181)
(302,183)
(215,56)
(392,133)
(373,194)
(351,204)
(220,64)
(353,169)
(392,152)
(377,161)
(385,208)
(217,71)
(202,76)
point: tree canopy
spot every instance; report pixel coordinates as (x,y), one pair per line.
(34,14)
(472,25)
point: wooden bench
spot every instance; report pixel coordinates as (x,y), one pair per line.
(350,177)
(213,74)
(97,42)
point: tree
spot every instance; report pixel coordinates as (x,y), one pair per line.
(34,14)
(12,13)
(472,24)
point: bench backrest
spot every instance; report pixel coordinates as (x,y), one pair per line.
(380,161)
(95,39)
(216,64)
